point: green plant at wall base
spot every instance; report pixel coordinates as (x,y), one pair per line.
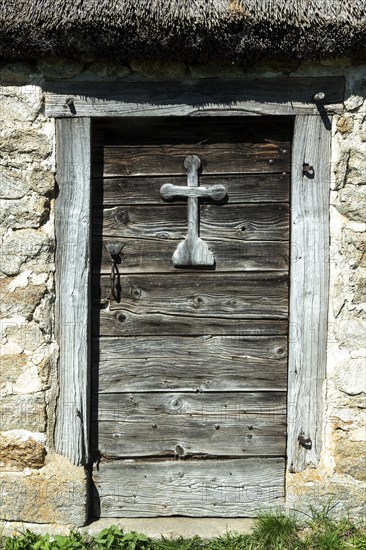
(276,531)
(114,539)
(30,541)
(272,531)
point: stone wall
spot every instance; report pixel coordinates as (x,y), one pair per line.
(36,484)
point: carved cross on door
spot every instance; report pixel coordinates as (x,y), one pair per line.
(193,251)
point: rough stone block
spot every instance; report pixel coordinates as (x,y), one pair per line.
(19,451)
(350,456)
(44,370)
(11,368)
(29,143)
(345,124)
(158,69)
(22,301)
(353,248)
(311,488)
(29,212)
(105,71)
(41,181)
(20,105)
(22,246)
(23,412)
(12,185)
(55,68)
(352,202)
(57,493)
(27,335)
(17,74)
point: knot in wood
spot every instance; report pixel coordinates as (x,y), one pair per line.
(121,216)
(177,403)
(198,301)
(179,450)
(136,292)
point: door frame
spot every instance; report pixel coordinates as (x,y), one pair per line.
(74,105)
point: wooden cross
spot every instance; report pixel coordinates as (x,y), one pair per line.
(193,251)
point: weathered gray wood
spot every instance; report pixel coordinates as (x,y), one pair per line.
(309,292)
(230,488)
(244,295)
(229,395)
(242,188)
(73,287)
(193,251)
(190,424)
(252,222)
(203,363)
(272,96)
(218,158)
(126,323)
(155,255)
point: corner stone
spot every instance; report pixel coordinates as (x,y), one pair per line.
(18,453)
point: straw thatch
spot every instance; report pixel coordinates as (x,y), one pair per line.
(198,30)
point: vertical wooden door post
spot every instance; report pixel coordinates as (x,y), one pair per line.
(309,289)
(73,221)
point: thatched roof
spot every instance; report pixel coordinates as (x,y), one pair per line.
(188,30)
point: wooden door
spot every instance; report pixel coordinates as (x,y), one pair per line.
(190,364)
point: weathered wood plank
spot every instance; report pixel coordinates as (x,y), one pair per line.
(190,424)
(273,96)
(240,188)
(243,188)
(155,255)
(230,488)
(218,158)
(252,222)
(309,292)
(139,364)
(72,211)
(126,323)
(244,295)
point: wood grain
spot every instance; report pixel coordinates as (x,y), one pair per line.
(126,323)
(272,96)
(309,292)
(239,363)
(219,158)
(152,255)
(73,229)
(197,368)
(230,488)
(255,222)
(242,188)
(192,424)
(244,295)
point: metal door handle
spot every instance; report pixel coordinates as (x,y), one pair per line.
(114,251)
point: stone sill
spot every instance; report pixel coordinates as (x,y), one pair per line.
(168,527)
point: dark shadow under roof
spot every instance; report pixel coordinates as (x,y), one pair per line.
(182,30)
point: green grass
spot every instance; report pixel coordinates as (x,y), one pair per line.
(272,531)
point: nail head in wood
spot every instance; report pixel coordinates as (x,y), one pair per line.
(70,103)
(308,170)
(320,96)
